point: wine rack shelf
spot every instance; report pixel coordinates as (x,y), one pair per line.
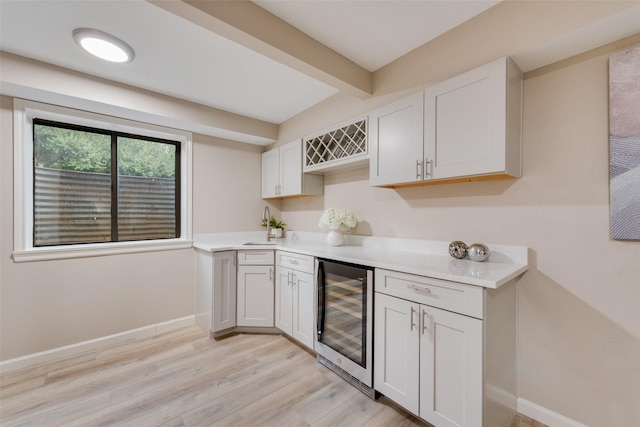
(337,147)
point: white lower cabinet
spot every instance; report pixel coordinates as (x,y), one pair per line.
(450,368)
(397,351)
(255,295)
(215,296)
(255,298)
(435,362)
(294,297)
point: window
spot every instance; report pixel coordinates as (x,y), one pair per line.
(96,185)
(92,185)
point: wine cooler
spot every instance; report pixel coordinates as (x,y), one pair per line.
(345,321)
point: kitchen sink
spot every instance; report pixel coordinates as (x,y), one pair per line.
(259,244)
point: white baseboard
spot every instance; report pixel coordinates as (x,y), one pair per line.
(70,350)
(545,416)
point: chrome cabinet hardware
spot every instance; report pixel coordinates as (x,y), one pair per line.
(419,289)
(412,322)
(424,321)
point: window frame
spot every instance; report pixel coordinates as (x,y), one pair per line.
(24,113)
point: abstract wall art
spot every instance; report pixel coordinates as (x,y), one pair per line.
(624,143)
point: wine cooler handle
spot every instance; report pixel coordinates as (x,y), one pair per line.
(321,309)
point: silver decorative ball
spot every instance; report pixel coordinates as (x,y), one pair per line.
(458,249)
(478,252)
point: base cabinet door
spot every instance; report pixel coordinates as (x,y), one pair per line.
(284,300)
(429,361)
(294,306)
(396,350)
(303,308)
(255,295)
(224,291)
(450,368)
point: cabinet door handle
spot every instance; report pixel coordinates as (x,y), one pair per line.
(271,274)
(426,322)
(288,278)
(428,163)
(293,279)
(419,289)
(412,322)
(418,169)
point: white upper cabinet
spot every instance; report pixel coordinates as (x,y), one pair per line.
(343,146)
(282,173)
(396,142)
(270,173)
(472,123)
(470,129)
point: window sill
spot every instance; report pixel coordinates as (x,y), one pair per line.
(98,249)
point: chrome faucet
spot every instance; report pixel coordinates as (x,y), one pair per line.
(266,219)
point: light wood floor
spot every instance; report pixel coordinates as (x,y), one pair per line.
(183,379)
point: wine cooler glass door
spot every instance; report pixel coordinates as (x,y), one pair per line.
(344,312)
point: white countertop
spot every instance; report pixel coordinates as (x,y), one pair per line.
(422,257)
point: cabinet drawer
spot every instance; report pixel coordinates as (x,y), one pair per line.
(298,262)
(452,296)
(255,257)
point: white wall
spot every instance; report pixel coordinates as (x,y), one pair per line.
(45,305)
(579,305)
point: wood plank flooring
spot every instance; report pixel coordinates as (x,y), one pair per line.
(183,379)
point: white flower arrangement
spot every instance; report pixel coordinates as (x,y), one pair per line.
(338,219)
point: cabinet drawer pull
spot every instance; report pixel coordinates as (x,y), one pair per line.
(293,261)
(419,289)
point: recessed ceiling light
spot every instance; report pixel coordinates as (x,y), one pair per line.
(103,45)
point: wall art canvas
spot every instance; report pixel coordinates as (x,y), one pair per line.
(624,143)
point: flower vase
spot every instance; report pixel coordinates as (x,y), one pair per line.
(335,238)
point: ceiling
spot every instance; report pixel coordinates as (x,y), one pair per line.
(190,52)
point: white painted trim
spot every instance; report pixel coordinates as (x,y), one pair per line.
(545,416)
(24,112)
(73,349)
(99,249)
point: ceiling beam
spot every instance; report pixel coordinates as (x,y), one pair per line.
(249,25)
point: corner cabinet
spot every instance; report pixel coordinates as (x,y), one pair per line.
(295,292)
(445,351)
(255,288)
(465,128)
(282,174)
(215,296)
